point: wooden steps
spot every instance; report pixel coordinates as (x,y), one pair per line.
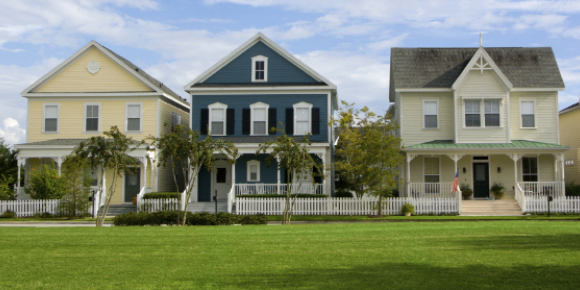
(502,207)
(207,207)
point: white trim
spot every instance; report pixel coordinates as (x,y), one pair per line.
(478,54)
(44,105)
(206,90)
(558,120)
(218,106)
(535,114)
(258,105)
(246,45)
(439,163)
(330,112)
(254,60)
(508,114)
(536,89)
(423,113)
(98,131)
(158,114)
(422,90)
(248,166)
(127,104)
(303,105)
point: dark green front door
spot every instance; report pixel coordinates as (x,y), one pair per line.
(480,180)
(132,184)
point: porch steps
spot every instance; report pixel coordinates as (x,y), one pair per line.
(207,207)
(115,210)
(502,207)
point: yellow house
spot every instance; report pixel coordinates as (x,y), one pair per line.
(569,120)
(87,94)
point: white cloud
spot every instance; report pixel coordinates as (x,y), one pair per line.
(566,99)
(11,132)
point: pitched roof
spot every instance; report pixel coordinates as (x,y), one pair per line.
(515,144)
(570,108)
(525,67)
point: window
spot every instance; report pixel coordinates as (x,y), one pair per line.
(92,116)
(217,119)
(528,114)
(472,113)
(259,68)
(430,114)
(51,113)
(259,118)
(134,117)
(302,122)
(253,170)
(431,170)
(175,120)
(530,168)
(491,113)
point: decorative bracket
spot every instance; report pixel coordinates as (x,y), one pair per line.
(515,157)
(455,157)
(410,157)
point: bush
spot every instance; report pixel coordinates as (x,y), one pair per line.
(8,214)
(408,208)
(466,191)
(572,189)
(153,195)
(193,219)
(257,219)
(299,195)
(7,193)
(45,184)
(343,193)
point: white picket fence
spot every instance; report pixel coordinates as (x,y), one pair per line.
(348,206)
(539,204)
(23,208)
(158,204)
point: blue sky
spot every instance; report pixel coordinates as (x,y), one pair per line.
(346,41)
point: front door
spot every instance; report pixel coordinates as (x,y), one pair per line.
(480,180)
(132,184)
(221,180)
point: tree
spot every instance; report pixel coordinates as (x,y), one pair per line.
(45,183)
(173,150)
(368,154)
(8,165)
(77,182)
(198,154)
(109,151)
(295,159)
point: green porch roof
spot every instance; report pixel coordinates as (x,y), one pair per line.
(516,144)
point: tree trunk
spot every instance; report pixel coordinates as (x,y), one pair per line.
(101,217)
(173,173)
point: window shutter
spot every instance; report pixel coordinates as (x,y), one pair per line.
(231,121)
(289,121)
(315,121)
(272,123)
(203,121)
(246,121)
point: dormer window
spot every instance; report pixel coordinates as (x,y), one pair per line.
(259,68)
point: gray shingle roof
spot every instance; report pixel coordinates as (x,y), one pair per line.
(570,107)
(525,67)
(211,85)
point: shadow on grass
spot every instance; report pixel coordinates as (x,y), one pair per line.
(416,276)
(566,242)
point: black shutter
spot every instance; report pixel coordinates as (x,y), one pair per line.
(272,123)
(231,119)
(315,121)
(246,121)
(203,121)
(289,121)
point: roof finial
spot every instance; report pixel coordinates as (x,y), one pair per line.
(480,40)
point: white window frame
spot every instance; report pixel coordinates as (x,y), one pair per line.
(537,167)
(303,105)
(140,117)
(44,105)
(535,115)
(175,115)
(224,107)
(249,175)
(423,111)
(439,160)
(85,105)
(482,112)
(499,112)
(265,60)
(258,105)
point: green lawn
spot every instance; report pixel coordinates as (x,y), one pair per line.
(420,217)
(434,255)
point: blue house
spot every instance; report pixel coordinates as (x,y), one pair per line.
(256,87)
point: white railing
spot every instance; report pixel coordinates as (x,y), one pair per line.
(231,199)
(158,204)
(520,197)
(542,188)
(421,189)
(267,188)
(347,206)
(561,204)
(140,198)
(30,207)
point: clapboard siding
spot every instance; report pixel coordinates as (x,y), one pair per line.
(412,114)
(267,174)
(569,136)
(111,77)
(280,70)
(278,101)
(546,117)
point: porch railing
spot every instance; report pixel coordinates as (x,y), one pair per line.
(542,188)
(421,189)
(265,188)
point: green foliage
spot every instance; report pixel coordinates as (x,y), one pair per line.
(154,195)
(172,148)
(256,219)
(498,190)
(298,195)
(6,191)
(44,183)
(8,214)
(466,191)
(343,193)
(408,208)
(75,174)
(572,189)
(8,165)
(192,219)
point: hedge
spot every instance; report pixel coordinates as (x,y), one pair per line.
(193,219)
(153,195)
(299,195)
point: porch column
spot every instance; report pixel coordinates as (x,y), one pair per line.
(410,158)
(145,163)
(20,163)
(278,175)
(151,173)
(58,161)
(560,159)
(515,158)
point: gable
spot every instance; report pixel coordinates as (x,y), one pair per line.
(482,83)
(280,70)
(75,77)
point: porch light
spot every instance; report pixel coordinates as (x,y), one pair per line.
(464,171)
(499,170)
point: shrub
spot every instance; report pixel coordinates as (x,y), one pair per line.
(153,195)
(343,193)
(466,191)
(171,218)
(572,189)
(257,219)
(498,190)
(45,184)
(7,193)
(8,214)
(299,195)
(408,208)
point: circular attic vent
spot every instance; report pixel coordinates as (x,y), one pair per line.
(93,67)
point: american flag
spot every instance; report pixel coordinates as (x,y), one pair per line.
(455,186)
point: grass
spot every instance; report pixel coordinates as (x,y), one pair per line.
(435,255)
(53,219)
(420,218)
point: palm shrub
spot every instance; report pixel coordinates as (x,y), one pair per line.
(45,183)
(408,209)
(466,191)
(498,190)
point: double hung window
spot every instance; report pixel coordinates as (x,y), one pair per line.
(92,113)
(482,112)
(259,118)
(259,68)
(491,113)
(217,119)
(302,118)
(430,114)
(472,113)
(530,169)
(134,117)
(51,113)
(431,170)
(528,114)
(253,170)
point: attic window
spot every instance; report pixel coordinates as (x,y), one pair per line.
(259,68)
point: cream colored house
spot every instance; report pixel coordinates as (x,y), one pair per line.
(488,114)
(570,136)
(85,95)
